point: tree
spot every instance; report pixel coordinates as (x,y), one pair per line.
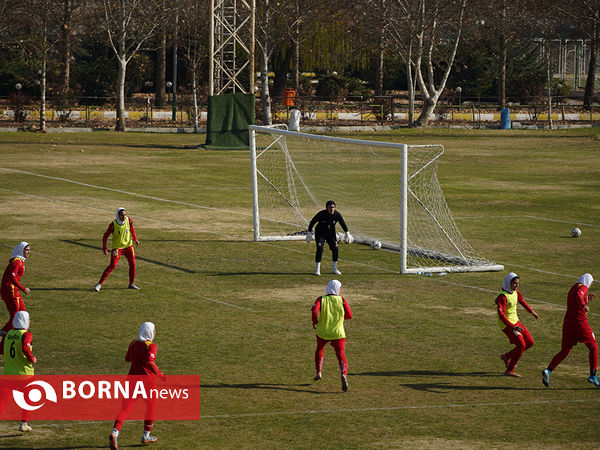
(585,15)
(267,33)
(194,30)
(129,24)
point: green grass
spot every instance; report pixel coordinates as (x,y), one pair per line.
(423,352)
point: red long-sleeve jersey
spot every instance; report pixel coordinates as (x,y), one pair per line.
(12,276)
(501,302)
(317,307)
(577,299)
(141,355)
(111,228)
(26,341)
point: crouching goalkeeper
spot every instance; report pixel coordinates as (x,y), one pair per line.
(325,232)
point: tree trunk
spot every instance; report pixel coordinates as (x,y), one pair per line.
(429,104)
(161,70)
(121,94)
(264,92)
(411,92)
(379,69)
(502,63)
(549,86)
(43,92)
(296,45)
(502,74)
(195,97)
(281,66)
(65,51)
(588,96)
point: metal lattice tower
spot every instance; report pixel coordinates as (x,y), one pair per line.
(231,46)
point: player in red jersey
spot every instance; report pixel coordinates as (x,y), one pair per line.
(141,354)
(577,329)
(123,238)
(11,283)
(328,314)
(509,322)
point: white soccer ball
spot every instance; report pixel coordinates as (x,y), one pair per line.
(575,232)
(376,245)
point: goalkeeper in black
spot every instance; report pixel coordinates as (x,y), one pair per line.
(325,232)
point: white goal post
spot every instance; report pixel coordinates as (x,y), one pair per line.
(387,193)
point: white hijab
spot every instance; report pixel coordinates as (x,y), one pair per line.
(146,332)
(119,221)
(586,279)
(19,251)
(506,282)
(21,320)
(333,287)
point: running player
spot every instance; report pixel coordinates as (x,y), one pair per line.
(517,333)
(577,329)
(123,237)
(141,354)
(328,315)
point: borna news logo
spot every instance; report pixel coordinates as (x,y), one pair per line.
(99,397)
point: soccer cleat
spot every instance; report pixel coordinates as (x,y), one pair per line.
(335,271)
(133,286)
(344,383)
(318,272)
(318,376)
(24,427)
(504,358)
(594,380)
(97,287)
(512,373)
(149,439)
(546,377)
(112,440)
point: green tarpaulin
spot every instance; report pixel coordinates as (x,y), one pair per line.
(228,118)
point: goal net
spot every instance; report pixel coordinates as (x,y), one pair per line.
(388,193)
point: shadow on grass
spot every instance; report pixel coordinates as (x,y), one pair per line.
(267,386)
(60,289)
(426,373)
(151,261)
(87,446)
(443,388)
(232,274)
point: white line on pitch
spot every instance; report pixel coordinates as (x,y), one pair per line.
(120,191)
(395,408)
(528,217)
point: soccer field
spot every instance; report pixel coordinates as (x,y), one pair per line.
(423,352)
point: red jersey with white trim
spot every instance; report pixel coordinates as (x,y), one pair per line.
(12,275)
(111,228)
(141,355)
(577,299)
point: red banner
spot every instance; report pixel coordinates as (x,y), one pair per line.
(100,397)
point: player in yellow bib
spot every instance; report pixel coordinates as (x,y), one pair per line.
(328,314)
(517,333)
(123,237)
(18,361)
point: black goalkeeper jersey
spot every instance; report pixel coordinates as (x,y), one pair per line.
(326,223)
